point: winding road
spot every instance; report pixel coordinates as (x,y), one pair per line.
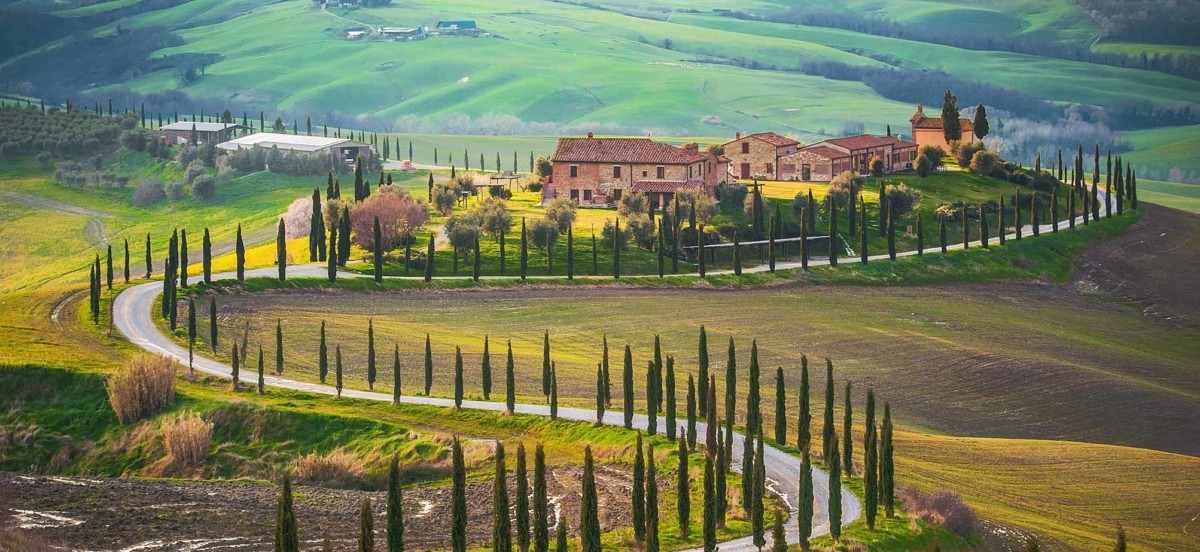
(132,316)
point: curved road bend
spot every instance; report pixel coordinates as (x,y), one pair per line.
(132,316)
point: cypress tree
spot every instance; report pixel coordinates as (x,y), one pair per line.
(710,505)
(487,371)
(1054,210)
(1120,542)
(1095,199)
(323,356)
(126,260)
(240,252)
(703,374)
(651,407)
(942,233)
(617,250)
(966,228)
(261,383)
(541,533)
(759,487)
(828,441)
(458,378)
(599,395)
(780,408)
(344,237)
(366,533)
(191,332)
(377,256)
(651,502)
(371,354)
(723,455)
(870,462)
(570,253)
(847,435)
(212,323)
(670,398)
(316,236)
(803,241)
(835,494)
(510,383)
(771,244)
(753,425)
(458,499)
(429,258)
(595,254)
(627,387)
(278,346)
(862,238)
(234,374)
(396,376)
(1001,228)
(659,250)
(109,268)
(1133,189)
(920,234)
(553,392)
(638,495)
(332,260)
(475,266)
(522,496)
(604,366)
(546,364)
(983,227)
(737,256)
(700,250)
(804,516)
(778,535)
(501,525)
(804,431)
(656,380)
(1033,214)
(524,249)
(428,365)
(887,468)
(891,236)
(206,256)
(337,369)
(691,412)
(589,518)
(730,413)
(287,538)
(560,537)
(683,498)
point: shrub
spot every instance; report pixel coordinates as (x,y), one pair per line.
(534,187)
(143,386)
(932,155)
(946,509)
(463,230)
(985,163)
(174,190)
(444,198)
(193,171)
(148,193)
(642,230)
(840,189)
(876,165)
(543,234)
(633,204)
(561,211)
(400,216)
(187,438)
(901,200)
(963,152)
(204,187)
(43,160)
(732,195)
(297,220)
(608,233)
(338,465)
(133,140)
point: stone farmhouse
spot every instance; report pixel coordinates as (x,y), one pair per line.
(180,132)
(597,171)
(759,155)
(769,156)
(928,130)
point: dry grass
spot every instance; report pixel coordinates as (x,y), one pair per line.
(334,466)
(187,438)
(946,509)
(142,387)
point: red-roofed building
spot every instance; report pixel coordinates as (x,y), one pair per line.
(758,155)
(824,160)
(928,130)
(596,171)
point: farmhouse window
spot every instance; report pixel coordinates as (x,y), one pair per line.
(660,172)
(574,171)
(616,171)
(643,174)
(575,196)
(745,147)
(770,168)
(587,195)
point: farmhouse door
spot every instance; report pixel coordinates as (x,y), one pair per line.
(805,172)
(745,170)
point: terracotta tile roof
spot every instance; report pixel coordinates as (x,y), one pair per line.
(901,143)
(861,141)
(622,150)
(666,186)
(824,151)
(936,123)
(774,139)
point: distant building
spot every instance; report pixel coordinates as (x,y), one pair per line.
(181,132)
(758,155)
(459,27)
(824,160)
(597,171)
(928,130)
(355,35)
(344,149)
(402,33)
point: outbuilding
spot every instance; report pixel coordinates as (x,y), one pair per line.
(344,148)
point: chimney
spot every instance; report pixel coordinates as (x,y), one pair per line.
(920,109)
(590,135)
(737,135)
(692,147)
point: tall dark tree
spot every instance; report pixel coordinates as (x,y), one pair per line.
(847,435)
(337,369)
(1053,211)
(870,462)
(541,533)
(627,387)
(891,235)
(486,368)
(651,501)
(604,368)
(780,408)
(863,255)
(366,528)
(323,356)
(458,499)
(287,533)
(942,233)
(599,395)
(702,360)
(126,260)
(737,255)
(396,387)
(982,128)
(804,515)
(1017,213)
(570,253)
(212,323)
(458,377)
(759,476)
(109,268)
(560,538)
(670,400)
(638,494)
(553,392)
(546,364)
(344,237)
(429,258)
(804,422)
(683,498)
(524,250)
(887,469)
(691,412)
(501,524)
(651,407)
(778,535)
(710,504)
(753,426)
(833,232)
(951,125)
(240,253)
(371,369)
(730,413)
(835,494)
(206,257)
(332,260)
(510,383)
(828,442)
(278,346)
(235,366)
(191,331)
(428,365)
(589,516)
(522,500)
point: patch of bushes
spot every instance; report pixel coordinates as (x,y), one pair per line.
(945,509)
(204,187)
(143,386)
(187,438)
(338,466)
(148,193)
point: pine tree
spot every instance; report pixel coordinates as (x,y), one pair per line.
(651,502)
(377,251)
(278,346)
(366,533)
(835,494)
(260,371)
(691,412)
(428,365)
(870,462)
(371,371)
(396,376)
(805,514)
(669,400)
(638,495)
(212,323)
(287,538)
(240,252)
(804,424)
(458,499)
(337,369)
(522,496)
(323,356)
(780,408)
(589,518)
(627,387)
(828,441)
(501,525)
(541,533)
(487,371)
(510,383)
(458,378)
(848,438)
(887,468)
